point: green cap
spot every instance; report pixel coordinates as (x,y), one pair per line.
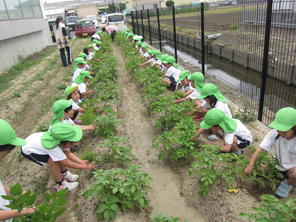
(80,60)
(145,46)
(82,75)
(58,108)
(169,60)
(163,57)
(198,79)
(139,43)
(90,46)
(60,132)
(216,117)
(130,35)
(183,75)
(69,90)
(83,55)
(99,32)
(285,119)
(211,90)
(98,42)
(8,136)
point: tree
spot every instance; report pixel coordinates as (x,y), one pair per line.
(169,3)
(122,6)
(111,7)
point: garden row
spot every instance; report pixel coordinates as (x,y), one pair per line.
(176,142)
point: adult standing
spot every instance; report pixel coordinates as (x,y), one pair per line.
(63,41)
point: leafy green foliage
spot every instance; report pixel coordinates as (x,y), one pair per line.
(49,210)
(119,152)
(118,190)
(271,209)
(234,27)
(88,155)
(246,115)
(89,116)
(164,218)
(106,124)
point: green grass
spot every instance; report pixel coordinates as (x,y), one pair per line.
(8,76)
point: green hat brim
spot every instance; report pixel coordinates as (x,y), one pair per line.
(280,127)
(18,142)
(228,125)
(205,125)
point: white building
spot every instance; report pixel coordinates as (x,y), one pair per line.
(24,31)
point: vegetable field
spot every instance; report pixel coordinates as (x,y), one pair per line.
(148,166)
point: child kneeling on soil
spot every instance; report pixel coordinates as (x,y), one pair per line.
(72,94)
(80,63)
(63,112)
(190,92)
(81,80)
(52,147)
(283,138)
(235,135)
(172,73)
(197,81)
(8,141)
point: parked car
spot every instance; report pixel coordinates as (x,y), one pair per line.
(84,28)
(94,19)
(70,22)
(116,19)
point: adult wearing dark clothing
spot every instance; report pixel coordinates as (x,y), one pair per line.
(63,41)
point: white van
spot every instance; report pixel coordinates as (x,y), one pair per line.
(116,19)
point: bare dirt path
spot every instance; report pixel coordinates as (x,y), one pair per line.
(166,186)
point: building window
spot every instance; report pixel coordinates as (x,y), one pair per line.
(27,9)
(13,9)
(3,12)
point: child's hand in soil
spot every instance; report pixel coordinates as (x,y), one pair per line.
(89,166)
(248,170)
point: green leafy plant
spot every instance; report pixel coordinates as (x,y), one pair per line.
(48,210)
(118,190)
(89,116)
(88,155)
(164,218)
(119,151)
(234,27)
(246,115)
(106,124)
(271,209)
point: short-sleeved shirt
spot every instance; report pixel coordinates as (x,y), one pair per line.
(146,55)
(111,28)
(3,202)
(75,106)
(240,131)
(81,87)
(68,120)
(174,72)
(285,150)
(219,105)
(194,95)
(76,73)
(34,145)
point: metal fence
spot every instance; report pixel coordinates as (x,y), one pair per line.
(253,42)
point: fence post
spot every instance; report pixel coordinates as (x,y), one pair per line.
(265,58)
(159,33)
(175,34)
(202,28)
(138,32)
(149,27)
(133,22)
(142,25)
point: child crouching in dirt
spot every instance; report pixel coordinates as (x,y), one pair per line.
(190,93)
(72,94)
(81,80)
(282,137)
(235,135)
(8,141)
(52,147)
(172,73)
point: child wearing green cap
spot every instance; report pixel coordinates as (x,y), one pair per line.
(190,93)
(152,59)
(172,73)
(8,141)
(73,94)
(80,64)
(63,112)
(81,80)
(235,135)
(282,138)
(52,147)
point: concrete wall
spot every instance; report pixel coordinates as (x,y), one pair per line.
(85,10)
(21,38)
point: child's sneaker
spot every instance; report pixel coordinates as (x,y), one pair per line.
(70,177)
(213,137)
(283,190)
(67,185)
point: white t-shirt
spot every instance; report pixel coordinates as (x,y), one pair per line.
(75,106)
(76,73)
(96,36)
(3,203)
(68,120)
(219,105)
(81,87)
(34,146)
(146,55)
(240,131)
(285,150)
(90,56)
(194,95)
(172,71)
(96,48)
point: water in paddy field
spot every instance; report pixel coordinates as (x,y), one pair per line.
(278,94)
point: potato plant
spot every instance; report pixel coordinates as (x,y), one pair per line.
(164,218)
(48,210)
(118,190)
